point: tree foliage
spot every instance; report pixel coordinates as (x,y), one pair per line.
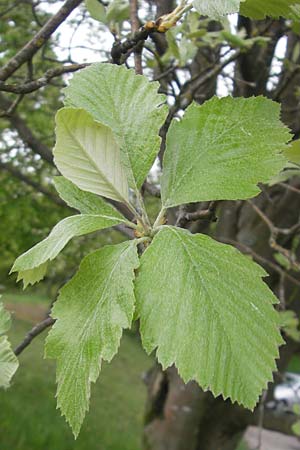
(202,305)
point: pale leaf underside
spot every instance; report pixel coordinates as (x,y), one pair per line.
(87,154)
(32,264)
(127,103)
(83,201)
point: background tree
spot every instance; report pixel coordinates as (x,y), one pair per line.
(192,61)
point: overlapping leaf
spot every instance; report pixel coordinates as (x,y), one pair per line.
(8,360)
(204,307)
(87,154)
(258,9)
(217,8)
(127,103)
(255,9)
(32,264)
(91,312)
(83,201)
(222,149)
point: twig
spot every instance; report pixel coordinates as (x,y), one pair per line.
(274,232)
(34,85)
(34,332)
(160,25)
(42,36)
(289,187)
(185,217)
(134,20)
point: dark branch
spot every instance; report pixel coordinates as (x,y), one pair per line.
(184,217)
(35,331)
(30,49)
(31,86)
(120,49)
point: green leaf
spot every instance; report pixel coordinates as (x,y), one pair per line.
(290,323)
(216,8)
(83,201)
(293,152)
(87,154)
(296,428)
(31,265)
(118,11)
(258,9)
(96,10)
(91,312)
(296,409)
(8,360)
(232,144)
(127,103)
(32,276)
(204,307)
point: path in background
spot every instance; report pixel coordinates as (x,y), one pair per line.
(271,440)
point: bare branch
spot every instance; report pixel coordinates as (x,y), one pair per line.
(31,86)
(185,217)
(34,332)
(30,49)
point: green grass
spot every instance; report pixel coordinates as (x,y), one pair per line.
(20,297)
(243,446)
(28,416)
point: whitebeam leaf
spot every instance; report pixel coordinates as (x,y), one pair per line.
(87,154)
(127,103)
(258,9)
(217,8)
(232,145)
(8,360)
(204,307)
(83,201)
(32,264)
(92,310)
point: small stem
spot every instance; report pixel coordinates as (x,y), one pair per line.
(143,207)
(159,218)
(130,225)
(143,239)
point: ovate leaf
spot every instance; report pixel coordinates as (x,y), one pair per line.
(204,307)
(31,265)
(8,360)
(258,9)
(91,312)
(85,202)
(87,154)
(222,149)
(127,103)
(217,8)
